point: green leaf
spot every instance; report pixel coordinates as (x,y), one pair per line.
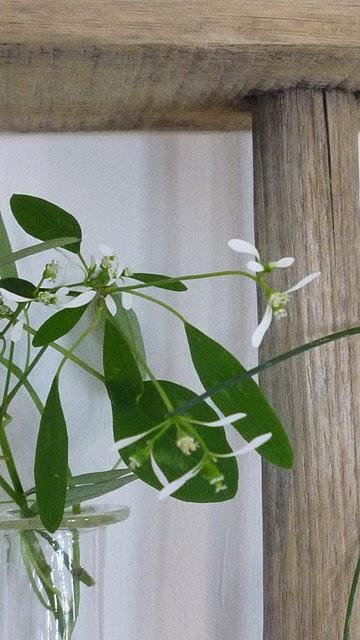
(128,323)
(155,277)
(44,220)
(7,267)
(58,325)
(214,364)
(7,259)
(98,476)
(83,492)
(123,379)
(51,460)
(19,286)
(150,411)
(92,485)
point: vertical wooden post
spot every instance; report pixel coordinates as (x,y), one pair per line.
(306,205)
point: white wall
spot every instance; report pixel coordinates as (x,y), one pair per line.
(167,203)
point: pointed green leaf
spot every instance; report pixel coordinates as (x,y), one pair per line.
(214,364)
(81,493)
(128,323)
(44,220)
(122,376)
(19,286)
(98,476)
(58,325)
(150,411)
(51,460)
(91,479)
(7,267)
(157,277)
(7,259)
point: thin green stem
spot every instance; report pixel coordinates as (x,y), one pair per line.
(38,287)
(230,382)
(186,277)
(4,443)
(10,491)
(165,398)
(28,344)
(16,313)
(24,377)
(351,601)
(27,385)
(89,329)
(83,262)
(7,383)
(3,348)
(70,356)
(162,304)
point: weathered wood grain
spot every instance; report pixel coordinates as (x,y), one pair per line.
(180,22)
(306,205)
(165,64)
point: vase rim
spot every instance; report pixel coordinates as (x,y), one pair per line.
(91,517)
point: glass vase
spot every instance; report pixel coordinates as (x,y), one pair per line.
(51,585)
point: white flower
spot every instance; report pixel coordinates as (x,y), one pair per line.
(214,476)
(172,487)
(109,261)
(258,266)
(276,306)
(60,300)
(221,422)
(255,443)
(51,270)
(108,264)
(187,445)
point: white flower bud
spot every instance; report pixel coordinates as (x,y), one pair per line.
(47,298)
(51,271)
(187,444)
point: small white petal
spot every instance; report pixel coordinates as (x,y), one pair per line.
(172,487)
(258,335)
(283,262)
(250,446)
(254,266)
(126,300)
(158,472)
(242,246)
(302,283)
(13,297)
(17,329)
(126,442)
(254,444)
(79,288)
(111,305)
(223,422)
(104,250)
(62,292)
(81,300)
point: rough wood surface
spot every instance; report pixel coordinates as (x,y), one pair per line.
(306,205)
(165,64)
(181,22)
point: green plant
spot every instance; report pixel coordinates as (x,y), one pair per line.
(166,435)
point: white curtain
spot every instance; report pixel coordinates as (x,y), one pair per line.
(166,203)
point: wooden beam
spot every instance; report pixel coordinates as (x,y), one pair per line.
(306,205)
(165,64)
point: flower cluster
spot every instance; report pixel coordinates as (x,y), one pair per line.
(276,300)
(103,272)
(188,444)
